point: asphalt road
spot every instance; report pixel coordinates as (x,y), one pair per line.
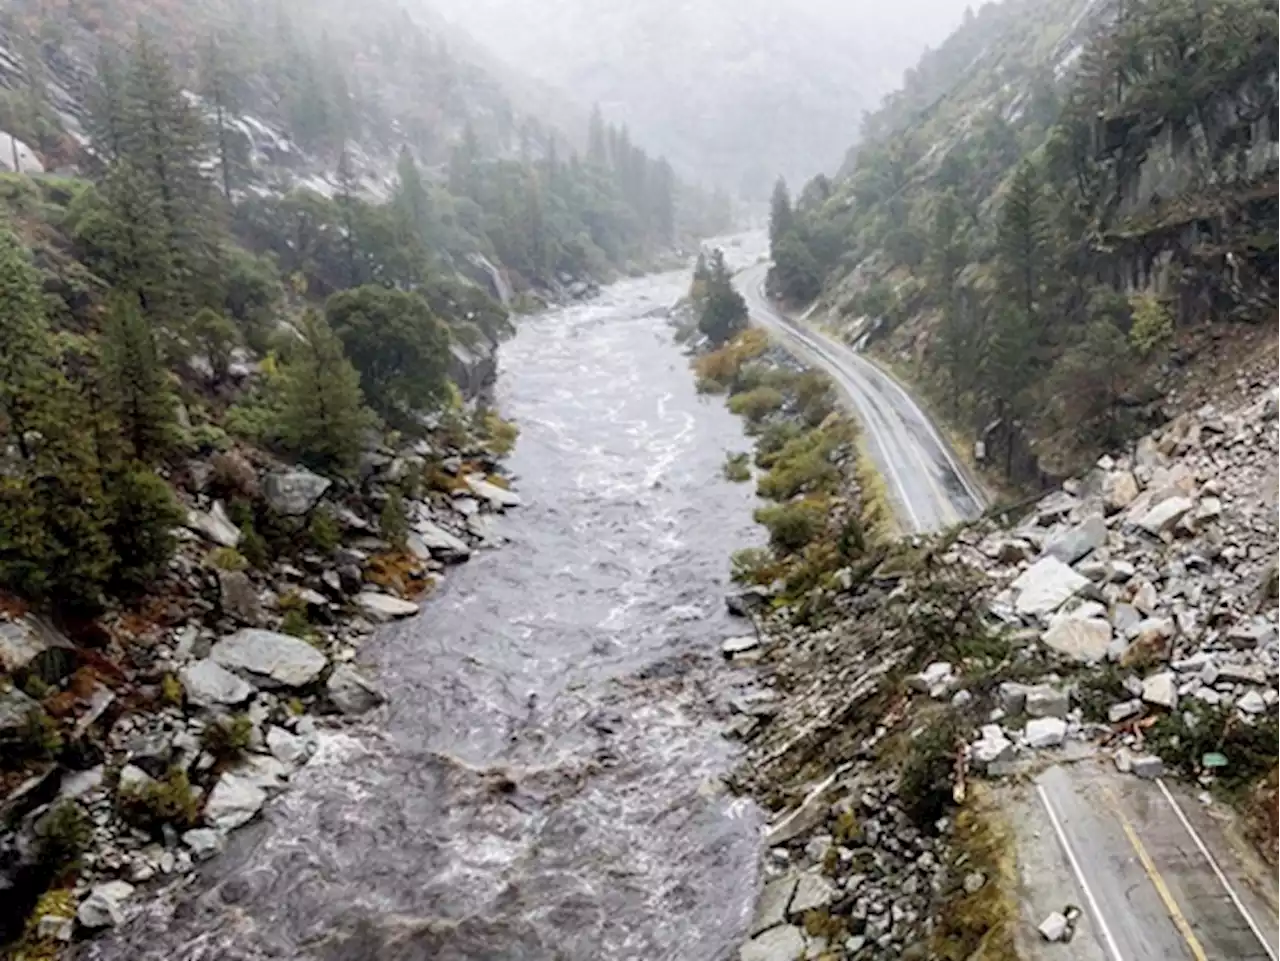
(1155,874)
(928,486)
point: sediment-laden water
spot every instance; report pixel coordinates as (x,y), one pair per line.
(544,782)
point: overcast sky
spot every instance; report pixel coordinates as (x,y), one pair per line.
(738,91)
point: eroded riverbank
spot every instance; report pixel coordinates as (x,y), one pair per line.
(544,782)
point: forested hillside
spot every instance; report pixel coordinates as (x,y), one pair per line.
(1038,226)
(325,99)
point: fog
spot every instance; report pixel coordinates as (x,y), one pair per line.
(732,91)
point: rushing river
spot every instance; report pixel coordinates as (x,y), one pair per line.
(544,782)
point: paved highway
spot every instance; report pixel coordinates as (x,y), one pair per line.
(928,486)
(1153,871)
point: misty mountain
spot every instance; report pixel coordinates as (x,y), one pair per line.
(737,91)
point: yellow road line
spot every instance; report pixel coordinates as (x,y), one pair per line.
(1179,919)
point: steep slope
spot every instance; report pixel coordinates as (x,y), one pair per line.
(740,91)
(1049,222)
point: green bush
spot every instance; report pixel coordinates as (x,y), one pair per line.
(792,526)
(323,532)
(227,738)
(144,512)
(925,786)
(228,559)
(64,833)
(803,465)
(394,522)
(755,405)
(737,468)
(157,803)
(752,565)
(1183,737)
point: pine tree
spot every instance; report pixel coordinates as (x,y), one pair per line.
(781,216)
(1022,240)
(324,411)
(137,383)
(221,89)
(724,312)
(411,198)
(597,151)
(52,539)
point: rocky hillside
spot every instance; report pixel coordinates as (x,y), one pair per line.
(1128,617)
(1057,221)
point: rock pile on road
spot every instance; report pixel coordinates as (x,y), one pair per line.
(1143,591)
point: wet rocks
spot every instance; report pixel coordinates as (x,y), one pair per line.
(269,658)
(736,647)
(384,607)
(234,800)
(783,943)
(771,908)
(499,498)
(432,540)
(350,693)
(104,907)
(294,492)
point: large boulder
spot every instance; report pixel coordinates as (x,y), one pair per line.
(294,492)
(214,525)
(783,943)
(499,498)
(350,693)
(384,607)
(239,597)
(104,907)
(20,644)
(1165,514)
(1045,586)
(1073,544)
(28,159)
(435,541)
(234,800)
(209,684)
(1083,639)
(1119,490)
(269,659)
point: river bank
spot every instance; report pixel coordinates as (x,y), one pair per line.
(544,780)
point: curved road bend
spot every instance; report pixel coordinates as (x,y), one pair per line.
(928,486)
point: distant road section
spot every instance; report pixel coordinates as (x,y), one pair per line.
(929,487)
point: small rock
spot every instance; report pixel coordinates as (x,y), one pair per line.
(1161,690)
(289,749)
(234,800)
(294,492)
(351,693)
(1084,640)
(937,677)
(15,710)
(1147,766)
(54,927)
(239,597)
(1119,490)
(783,943)
(270,658)
(771,909)
(104,907)
(384,607)
(133,778)
(215,525)
(1045,586)
(1164,515)
(1044,732)
(1013,696)
(203,842)
(1075,543)
(812,893)
(974,882)
(497,497)
(1252,703)
(208,683)
(735,646)
(1124,710)
(992,748)
(1046,701)
(1054,927)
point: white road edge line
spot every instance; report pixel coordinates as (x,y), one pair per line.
(1112,948)
(1231,892)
